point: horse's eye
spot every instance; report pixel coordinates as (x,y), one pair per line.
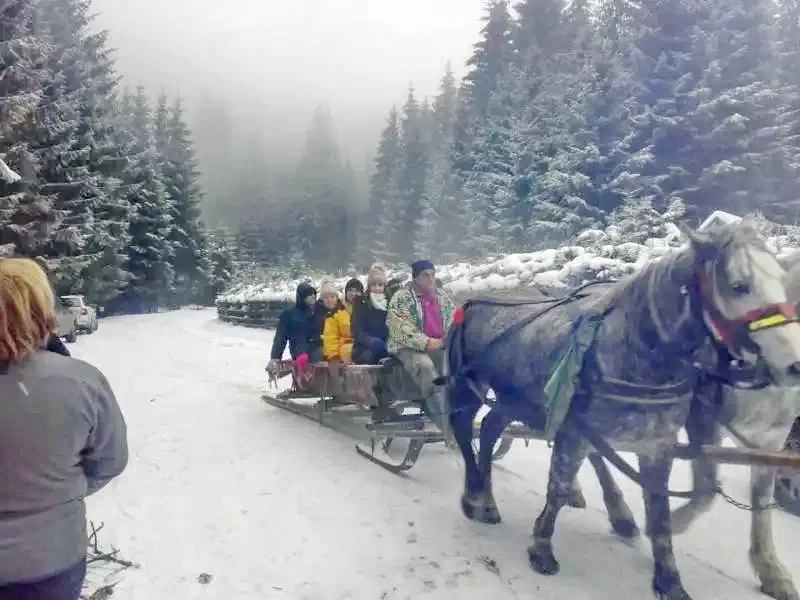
(740,288)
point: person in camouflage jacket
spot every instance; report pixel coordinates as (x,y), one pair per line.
(418,318)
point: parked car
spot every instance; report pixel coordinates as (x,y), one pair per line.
(66,323)
(85,314)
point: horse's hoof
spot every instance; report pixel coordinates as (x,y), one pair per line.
(542,559)
(576,499)
(482,512)
(780,589)
(625,528)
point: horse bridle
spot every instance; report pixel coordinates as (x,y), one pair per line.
(731,336)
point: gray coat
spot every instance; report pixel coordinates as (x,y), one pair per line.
(62,437)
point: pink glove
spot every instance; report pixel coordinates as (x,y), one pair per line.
(302,362)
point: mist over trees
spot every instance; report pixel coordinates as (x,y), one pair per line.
(108,196)
(572,115)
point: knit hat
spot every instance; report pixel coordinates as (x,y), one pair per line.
(354,284)
(419,266)
(377,274)
(328,288)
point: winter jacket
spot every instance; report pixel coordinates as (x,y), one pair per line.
(369,332)
(300,326)
(62,438)
(337,337)
(405,321)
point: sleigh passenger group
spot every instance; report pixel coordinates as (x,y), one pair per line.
(365,326)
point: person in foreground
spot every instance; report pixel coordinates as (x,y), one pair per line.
(418,318)
(62,438)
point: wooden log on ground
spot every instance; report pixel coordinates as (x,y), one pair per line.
(741,456)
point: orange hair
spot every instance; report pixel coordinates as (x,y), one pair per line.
(27,308)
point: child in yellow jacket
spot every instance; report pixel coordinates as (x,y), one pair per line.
(337,336)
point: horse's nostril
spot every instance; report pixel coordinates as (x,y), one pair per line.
(794,369)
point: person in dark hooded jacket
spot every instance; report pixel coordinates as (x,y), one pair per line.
(301,327)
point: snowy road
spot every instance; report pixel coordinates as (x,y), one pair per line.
(274,506)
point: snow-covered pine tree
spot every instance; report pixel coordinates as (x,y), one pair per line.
(493,221)
(104,275)
(187,235)
(72,111)
(221,257)
(441,228)
(540,23)
(149,253)
(383,213)
(415,144)
(321,213)
(736,158)
(26,214)
(787,29)
(667,65)
(558,140)
(490,57)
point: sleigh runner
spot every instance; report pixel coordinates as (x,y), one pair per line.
(380,398)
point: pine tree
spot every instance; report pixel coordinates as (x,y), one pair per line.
(667,65)
(494,223)
(104,275)
(149,253)
(490,57)
(221,256)
(541,23)
(736,158)
(321,215)
(413,175)
(187,237)
(65,141)
(26,214)
(383,213)
(440,228)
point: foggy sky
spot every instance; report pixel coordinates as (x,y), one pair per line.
(277,59)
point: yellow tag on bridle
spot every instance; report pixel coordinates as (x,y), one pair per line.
(766,322)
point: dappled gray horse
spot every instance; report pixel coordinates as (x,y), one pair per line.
(762,418)
(637,378)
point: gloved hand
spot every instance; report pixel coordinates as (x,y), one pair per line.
(273,366)
(302,361)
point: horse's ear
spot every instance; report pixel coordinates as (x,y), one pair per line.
(703,245)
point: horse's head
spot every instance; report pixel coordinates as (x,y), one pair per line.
(741,288)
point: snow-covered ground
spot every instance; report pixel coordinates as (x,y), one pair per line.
(273,506)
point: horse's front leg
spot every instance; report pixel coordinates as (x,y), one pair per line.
(619,513)
(655,477)
(569,451)
(464,405)
(492,427)
(775,579)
